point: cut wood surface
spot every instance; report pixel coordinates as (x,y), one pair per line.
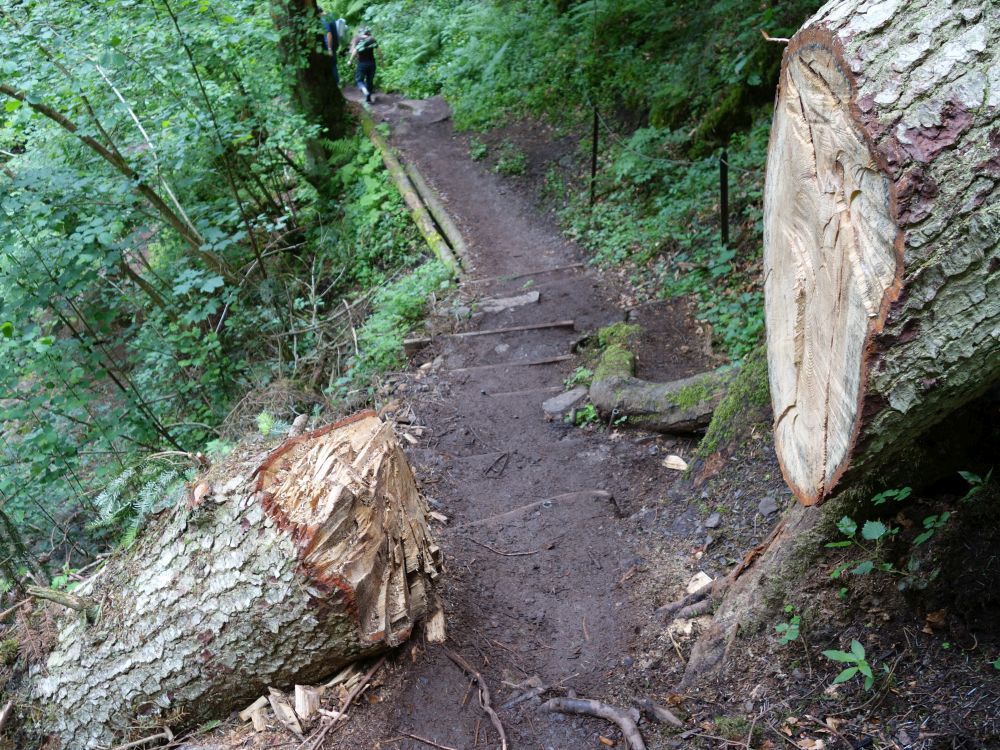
(881,231)
(318,554)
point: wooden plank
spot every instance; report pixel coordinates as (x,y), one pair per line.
(410,346)
(528,392)
(515,277)
(514,329)
(532,363)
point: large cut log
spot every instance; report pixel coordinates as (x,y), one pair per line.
(288,568)
(881,229)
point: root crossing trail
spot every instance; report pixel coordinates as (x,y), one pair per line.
(538,539)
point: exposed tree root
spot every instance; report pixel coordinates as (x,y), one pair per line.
(602,711)
(484,694)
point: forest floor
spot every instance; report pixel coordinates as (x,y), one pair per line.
(561,542)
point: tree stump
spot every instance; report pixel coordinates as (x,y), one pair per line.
(282,571)
(881,229)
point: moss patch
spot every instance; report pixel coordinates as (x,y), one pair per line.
(616,361)
(620,334)
(697,393)
(747,403)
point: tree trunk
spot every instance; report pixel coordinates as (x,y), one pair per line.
(881,232)
(282,571)
(681,406)
(309,73)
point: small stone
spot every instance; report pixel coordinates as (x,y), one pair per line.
(558,405)
(768,505)
(628,661)
(501,348)
(713,521)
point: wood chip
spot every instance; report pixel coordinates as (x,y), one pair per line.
(343,675)
(284,713)
(676,463)
(246,713)
(606,741)
(439,517)
(699,581)
(434,629)
(409,438)
(259,719)
(306,701)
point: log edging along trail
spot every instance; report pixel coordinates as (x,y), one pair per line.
(426,210)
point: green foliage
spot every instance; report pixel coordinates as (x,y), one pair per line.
(788,631)
(135,494)
(396,307)
(511,160)
(586,414)
(580,376)
(857,658)
(477,149)
(265,423)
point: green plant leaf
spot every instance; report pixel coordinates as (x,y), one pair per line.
(847,526)
(857,649)
(873,530)
(845,675)
(864,568)
(839,656)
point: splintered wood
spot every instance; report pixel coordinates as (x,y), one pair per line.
(830,267)
(348,497)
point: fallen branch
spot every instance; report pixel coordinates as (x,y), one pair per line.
(166,734)
(501,552)
(70,601)
(587,707)
(778,39)
(484,694)
(426,741)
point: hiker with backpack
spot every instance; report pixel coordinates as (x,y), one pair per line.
(334,30)
(364,47)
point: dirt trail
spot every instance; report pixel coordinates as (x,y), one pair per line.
(539,536)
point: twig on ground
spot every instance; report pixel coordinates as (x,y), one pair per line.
(426,742)
(484,694)
(11,610)
(166,734)
(501,552)
(603,711)
(497,468)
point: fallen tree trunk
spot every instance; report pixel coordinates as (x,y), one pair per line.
(681,406)
(284,570)
(881,232)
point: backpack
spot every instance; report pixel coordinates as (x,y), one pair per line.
(338,27)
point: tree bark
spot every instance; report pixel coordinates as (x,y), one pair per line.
(881,232)
(283,571)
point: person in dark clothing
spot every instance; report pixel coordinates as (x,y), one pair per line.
(365,48)
(331,41)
